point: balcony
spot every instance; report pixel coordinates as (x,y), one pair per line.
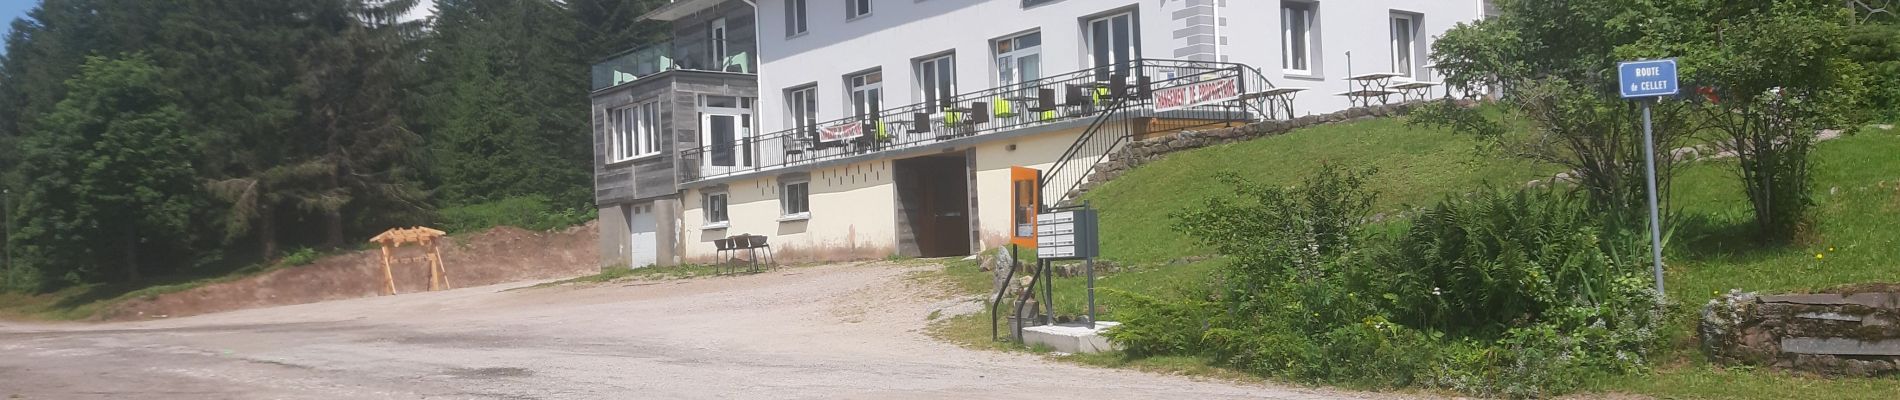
(1072,100)
(673,55)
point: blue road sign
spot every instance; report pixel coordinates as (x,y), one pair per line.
(1648,78)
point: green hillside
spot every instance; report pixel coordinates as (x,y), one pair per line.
(1851,239)
(1415,166)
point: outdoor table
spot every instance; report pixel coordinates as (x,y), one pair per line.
(1024,106)
(1368,86)
(1422,89)
(1279,101)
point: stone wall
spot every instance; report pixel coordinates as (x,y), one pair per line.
(1137,153)
(1854,333)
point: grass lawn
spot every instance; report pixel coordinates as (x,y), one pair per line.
(1857,197)
(1854,236)
(1415,166)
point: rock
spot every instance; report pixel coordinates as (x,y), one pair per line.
(1876,320)
(1826,333)
(1841,346)
(1828,316)
(1817,299)
(1875,300)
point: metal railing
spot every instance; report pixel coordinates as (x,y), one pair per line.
(631,65)
(1062,182)
(1103,96)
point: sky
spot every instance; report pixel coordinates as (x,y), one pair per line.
(10,9)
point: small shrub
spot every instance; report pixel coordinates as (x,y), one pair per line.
(1508,294)
(301,256)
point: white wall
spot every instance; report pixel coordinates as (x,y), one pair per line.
(899,31)
(853,215)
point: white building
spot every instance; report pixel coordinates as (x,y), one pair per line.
(865,128)
(1312,44)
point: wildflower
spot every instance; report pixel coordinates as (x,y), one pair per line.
(1435,291)
(1819,256)
(1830,249)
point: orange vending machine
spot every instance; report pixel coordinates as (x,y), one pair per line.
(1025,194)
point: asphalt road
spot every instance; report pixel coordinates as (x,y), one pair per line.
(839,331)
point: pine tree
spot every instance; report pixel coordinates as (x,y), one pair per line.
(110,179)
(507,107)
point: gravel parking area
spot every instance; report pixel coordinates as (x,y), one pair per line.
(835,331)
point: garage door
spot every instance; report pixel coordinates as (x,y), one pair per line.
(643,226)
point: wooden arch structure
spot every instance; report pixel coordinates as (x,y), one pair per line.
(423,237)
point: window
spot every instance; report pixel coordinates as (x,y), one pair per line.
(633,132)
(867,93)
(856,8)
(726,132)
(1296,38)
(802,108)
(1019,59)
(1113,42)
(794,17)
(795,200)
(937,78)
(1404,41)
(715,209)
(717,43)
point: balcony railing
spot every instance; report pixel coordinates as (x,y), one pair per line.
(660,57)
(1072,98)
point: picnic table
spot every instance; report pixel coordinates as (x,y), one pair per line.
(1279,101)
(1367,87)
(1420,89)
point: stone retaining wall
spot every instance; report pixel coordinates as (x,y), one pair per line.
(1850,334)
(1136,153)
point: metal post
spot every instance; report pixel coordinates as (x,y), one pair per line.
(1655,218)
(1049,293)
(6,203)
(1089,264)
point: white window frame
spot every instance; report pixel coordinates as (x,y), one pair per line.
(717,207)
(796,21)
(1133,47)
(1010,54)
(865,96)
(795,207)
(801,107)
(1304,14)
(633,132)
(1408,66)
(854,9)
(716,42)
(930,72)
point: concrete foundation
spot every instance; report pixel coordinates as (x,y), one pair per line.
(1074,338)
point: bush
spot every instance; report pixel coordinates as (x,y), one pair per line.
(1516,294)
(301,256)
(532,212)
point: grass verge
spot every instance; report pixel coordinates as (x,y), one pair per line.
(1850,239)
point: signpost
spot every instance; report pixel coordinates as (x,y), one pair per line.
(1645,80)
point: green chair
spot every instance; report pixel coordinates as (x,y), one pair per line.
(742,62)
(1002,108)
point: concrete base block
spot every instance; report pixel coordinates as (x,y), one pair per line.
(1074,338)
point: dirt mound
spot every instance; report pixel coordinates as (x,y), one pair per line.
(498,255)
